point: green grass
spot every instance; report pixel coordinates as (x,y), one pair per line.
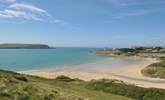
(23,87)
(15,86)
(120,88)
(156,70)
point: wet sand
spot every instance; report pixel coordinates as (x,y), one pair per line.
(127,69)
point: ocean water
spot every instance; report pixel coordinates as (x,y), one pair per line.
(35,59)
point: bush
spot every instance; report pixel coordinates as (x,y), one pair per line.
(21,78)
(66,79)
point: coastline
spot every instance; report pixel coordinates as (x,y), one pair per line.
(130,73)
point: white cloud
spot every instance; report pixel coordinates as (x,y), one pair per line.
(19,15)
(124,14)
(23,6)
(11,14)
(30,12)
(22,11)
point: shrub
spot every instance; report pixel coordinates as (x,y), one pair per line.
(21,78)
(66,79)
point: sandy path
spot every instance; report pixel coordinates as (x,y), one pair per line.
(128,70)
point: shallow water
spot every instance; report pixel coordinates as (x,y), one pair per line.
(36,59)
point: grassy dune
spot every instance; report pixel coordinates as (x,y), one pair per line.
(22,87)
(156,70)
(15,86)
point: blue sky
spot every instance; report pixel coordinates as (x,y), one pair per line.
(83,23)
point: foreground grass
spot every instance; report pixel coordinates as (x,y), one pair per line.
(23,87)
(156,70)
(120,88)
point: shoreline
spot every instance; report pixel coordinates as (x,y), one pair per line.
(129,73)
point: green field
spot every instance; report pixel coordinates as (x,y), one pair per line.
(15,86)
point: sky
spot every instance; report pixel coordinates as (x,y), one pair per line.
(83,23)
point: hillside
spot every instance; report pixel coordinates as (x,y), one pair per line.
(24,46)
(15,86)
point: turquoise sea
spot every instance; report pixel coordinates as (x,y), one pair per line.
(34,59)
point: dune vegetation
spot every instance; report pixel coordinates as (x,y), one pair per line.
(15,86)
(156,70)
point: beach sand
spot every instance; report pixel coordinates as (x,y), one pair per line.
(127,69)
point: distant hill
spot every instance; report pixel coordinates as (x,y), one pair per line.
(24,46)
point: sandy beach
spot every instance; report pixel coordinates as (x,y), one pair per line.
(127,69)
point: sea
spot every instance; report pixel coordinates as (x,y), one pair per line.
(37,59)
